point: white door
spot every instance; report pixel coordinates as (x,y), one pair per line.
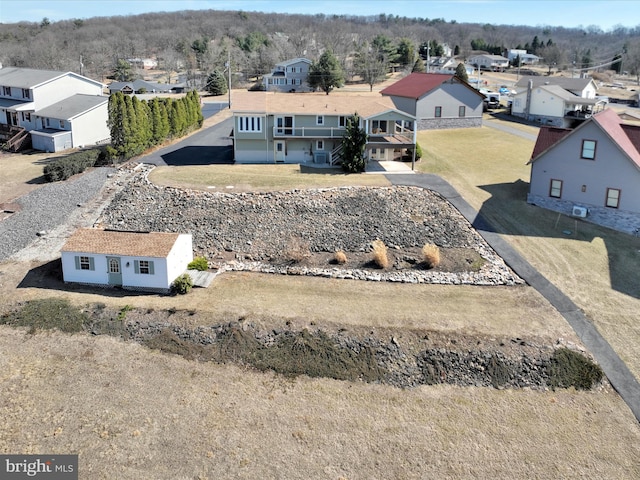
(378,154)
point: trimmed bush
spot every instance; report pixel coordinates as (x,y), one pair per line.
(431,255)
(183,284)
(72,164)
(198,263)
(567,368)
(380,257)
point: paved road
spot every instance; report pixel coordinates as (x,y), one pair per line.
(208,146)
(614,368)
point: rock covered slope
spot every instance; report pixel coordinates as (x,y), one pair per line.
(258,228)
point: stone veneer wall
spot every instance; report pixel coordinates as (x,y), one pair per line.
(443,123)
(621,220)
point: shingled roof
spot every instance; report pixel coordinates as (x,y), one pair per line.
(417,84)
(109,242)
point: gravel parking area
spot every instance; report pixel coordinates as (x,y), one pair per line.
(45,210)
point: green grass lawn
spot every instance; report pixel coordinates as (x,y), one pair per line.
(598,268)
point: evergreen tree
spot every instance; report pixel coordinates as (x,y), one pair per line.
(418,66)
(406,52)
(216,83)
(326,73)
(461,73)
(354,142)
(115,121)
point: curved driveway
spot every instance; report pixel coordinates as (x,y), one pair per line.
(616,371)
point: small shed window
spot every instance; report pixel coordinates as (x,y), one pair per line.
(438,113)
(143,267)
(588,149)
(84,262)
(462,110)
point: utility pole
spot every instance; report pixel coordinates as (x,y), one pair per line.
(229,76)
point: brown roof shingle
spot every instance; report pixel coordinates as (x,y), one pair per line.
(135,244)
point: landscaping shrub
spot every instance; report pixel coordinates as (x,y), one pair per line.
(72,164)
(380,257)
(182,284)
(198,263)
(431,255)
(47,314)
(340,257)
(567,368)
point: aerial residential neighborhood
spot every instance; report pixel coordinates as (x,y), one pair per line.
(241,244)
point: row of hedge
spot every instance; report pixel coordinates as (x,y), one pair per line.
(77,162)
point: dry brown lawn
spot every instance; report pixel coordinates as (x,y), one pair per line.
(21,174)
(131,413)
(134,413)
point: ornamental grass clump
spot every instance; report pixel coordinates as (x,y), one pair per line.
(431,255)
(380,257)
(340,257)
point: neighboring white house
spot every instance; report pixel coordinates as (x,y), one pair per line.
(131,260)
(525,58)
(25,93)
(288,76)
(485,61)
(556,101)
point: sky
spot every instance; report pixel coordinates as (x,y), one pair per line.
(566,13)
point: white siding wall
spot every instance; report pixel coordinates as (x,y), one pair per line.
(179,257)
(90,127)
(64,87)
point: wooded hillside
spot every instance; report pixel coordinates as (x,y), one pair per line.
(202,41)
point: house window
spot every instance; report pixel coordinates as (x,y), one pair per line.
(320,145)
(320,120)
(613,198)
(555,189)
(462,111)
(48,123)
(26,117)
(84,262)
(379,126)
(6,91)
(588,149)
(61,123)
(250,124)
(26,93)
(143,267)
(438,113)
(342,121)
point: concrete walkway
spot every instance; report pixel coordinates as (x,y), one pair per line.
(616,371)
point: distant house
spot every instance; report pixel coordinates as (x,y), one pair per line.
(308,127)
(141,86)
(131,260)
(144,63)
(437,100)
(50,104)
(525,58)
(556,101)
(485,61)
(592,171)
(288,76)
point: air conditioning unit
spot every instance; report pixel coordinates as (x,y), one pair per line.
(579,211)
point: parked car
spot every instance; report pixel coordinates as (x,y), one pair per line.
(503,90)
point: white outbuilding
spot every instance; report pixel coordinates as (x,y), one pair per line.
(148,261)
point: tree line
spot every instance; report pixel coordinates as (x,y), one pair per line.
(196,43)
(136,125)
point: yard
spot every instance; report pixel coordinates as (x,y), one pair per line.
(159,415)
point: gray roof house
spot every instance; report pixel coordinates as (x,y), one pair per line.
(288,76)
(556,101)
(437,100)
(143,86)
(26,92)
(592,171)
